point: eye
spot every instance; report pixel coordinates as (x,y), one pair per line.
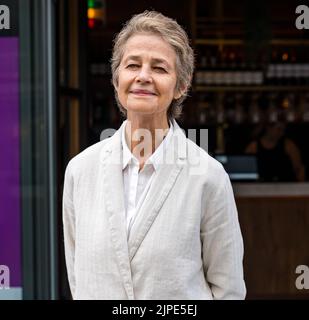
(132,66)
(160,69)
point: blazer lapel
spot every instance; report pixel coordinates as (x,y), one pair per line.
(111,158)
(159,189)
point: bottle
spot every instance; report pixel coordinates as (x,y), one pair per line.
(236,75)
(199,75)
(305,107)
(208,111)
(213,67)
(226,74)
(220,108)
(272,71)
(283,68)
(239,112)
(204,64)
(272,109)
(288,105)
(201,105)
(218,72)
(302,56)
(254,109)
(220,141)
(294,69)
(306,74)
(298,108)
(229,106)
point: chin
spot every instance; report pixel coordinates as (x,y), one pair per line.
(141,108)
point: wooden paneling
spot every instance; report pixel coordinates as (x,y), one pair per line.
(276,239)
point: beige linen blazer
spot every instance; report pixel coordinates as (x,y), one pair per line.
(185,242)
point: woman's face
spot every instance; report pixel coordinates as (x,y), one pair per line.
(147,75)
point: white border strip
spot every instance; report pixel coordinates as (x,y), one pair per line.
(11,294)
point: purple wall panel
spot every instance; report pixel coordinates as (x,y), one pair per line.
(10,211)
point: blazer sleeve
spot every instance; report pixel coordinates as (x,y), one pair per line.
(68,217)
(222,244)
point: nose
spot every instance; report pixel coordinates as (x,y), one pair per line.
(144,75)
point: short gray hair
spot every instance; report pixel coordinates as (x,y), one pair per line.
(156,23)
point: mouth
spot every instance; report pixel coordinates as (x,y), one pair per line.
(142,93)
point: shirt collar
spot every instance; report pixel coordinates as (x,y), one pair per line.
(155,159)
(127,155)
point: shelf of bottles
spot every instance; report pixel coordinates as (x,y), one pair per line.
(273,86)
(253,107)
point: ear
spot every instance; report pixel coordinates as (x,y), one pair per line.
(115,85)
(179,93)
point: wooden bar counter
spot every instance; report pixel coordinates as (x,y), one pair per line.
(274,220)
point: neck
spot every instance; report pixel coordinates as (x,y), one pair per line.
(144,134)
(270,140)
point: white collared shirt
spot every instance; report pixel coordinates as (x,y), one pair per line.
(137,184)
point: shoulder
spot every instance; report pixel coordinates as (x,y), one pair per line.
(88,158)
(252,147)
(208,169)
(289,144)
(209,180)
(291,148)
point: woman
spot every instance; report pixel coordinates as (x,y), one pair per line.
(278,157)
(148,214)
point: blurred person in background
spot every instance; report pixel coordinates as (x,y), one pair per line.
(278,157)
